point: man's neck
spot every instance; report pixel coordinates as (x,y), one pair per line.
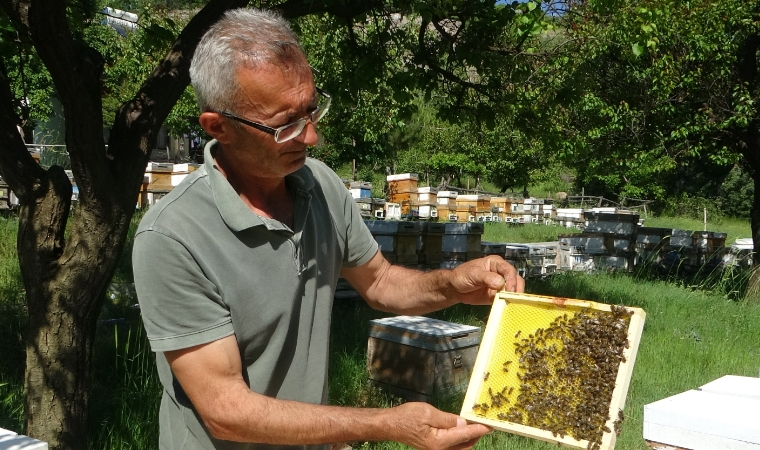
(265,196)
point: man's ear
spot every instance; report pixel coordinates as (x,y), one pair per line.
(217,126)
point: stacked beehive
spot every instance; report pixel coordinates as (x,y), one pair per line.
(461,242)
(160,178)
(499,208)
(378,208)
(402,189)
(547,258)
(710,247)
(608,242)
(494,248)
(428,203)
(531,210)
(361,191)
(514,215)
(430,244)
(548,212)
(5,195)
(397,240)
(692,250)
(651,244)
(517,255)
(472,206)
(570,217)
(447,205)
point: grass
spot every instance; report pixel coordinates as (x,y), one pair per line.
(691,337)
(502,232)
(736,228)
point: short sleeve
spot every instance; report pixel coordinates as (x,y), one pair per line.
(180,307)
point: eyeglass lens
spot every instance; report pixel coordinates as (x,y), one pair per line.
(294,129)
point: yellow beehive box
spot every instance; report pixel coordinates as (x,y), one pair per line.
(479,201)
(402,182)
(500,203)
(554,369)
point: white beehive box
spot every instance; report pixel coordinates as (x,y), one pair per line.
(723,414)
(13,441)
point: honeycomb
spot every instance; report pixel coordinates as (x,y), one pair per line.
(554,368)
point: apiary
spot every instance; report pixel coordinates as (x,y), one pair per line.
(555,369)
(397,240)
(418,358)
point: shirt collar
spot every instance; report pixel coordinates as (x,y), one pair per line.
(231,207)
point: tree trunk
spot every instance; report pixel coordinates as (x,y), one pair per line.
(753,288)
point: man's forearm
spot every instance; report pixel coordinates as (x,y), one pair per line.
(406,291)
(251,417)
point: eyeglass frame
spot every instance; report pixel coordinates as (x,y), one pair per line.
(276,131)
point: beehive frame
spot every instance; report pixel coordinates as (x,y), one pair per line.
(499,327)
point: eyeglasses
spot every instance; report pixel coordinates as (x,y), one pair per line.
(293,129)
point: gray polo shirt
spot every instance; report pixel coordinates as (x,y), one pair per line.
(207,267)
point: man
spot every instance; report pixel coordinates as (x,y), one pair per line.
(236,268)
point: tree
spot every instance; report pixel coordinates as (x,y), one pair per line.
(660,87)
(461,45)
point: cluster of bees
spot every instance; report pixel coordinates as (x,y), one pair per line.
(567,373)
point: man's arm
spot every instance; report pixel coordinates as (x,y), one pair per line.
(400,290)
(211,376)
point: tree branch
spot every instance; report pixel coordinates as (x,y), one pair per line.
(292,9)
(17,166)
(137,122)
(426,57)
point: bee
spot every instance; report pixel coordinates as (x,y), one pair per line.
(485,377)
(518,334)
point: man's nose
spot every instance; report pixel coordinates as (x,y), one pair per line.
(308,135)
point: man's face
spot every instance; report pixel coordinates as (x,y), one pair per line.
(273,96)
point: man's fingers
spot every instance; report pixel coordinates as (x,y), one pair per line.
(463,437)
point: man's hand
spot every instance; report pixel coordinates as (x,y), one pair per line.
(476,282)
(423,427)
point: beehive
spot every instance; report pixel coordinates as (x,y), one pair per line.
(575,398)
(419,358)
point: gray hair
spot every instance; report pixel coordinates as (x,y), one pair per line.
(242,38)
